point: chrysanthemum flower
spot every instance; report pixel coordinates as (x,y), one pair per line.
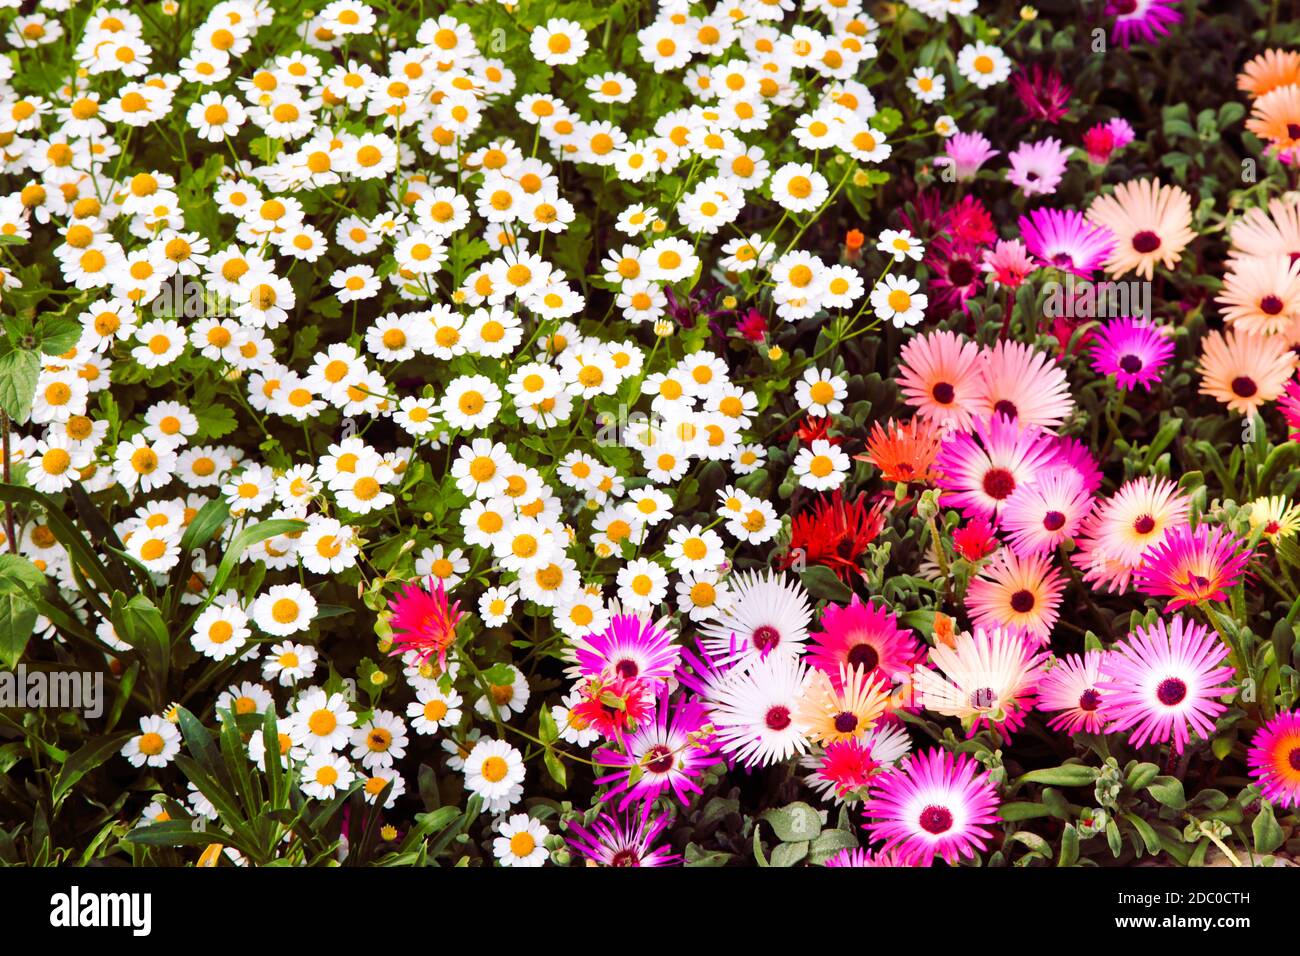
(1166,681)
(669,752)
(1019,594)
(987,677)
(1144,20)
(1069,689)
(423,621)
(934,805)
(1064,239)
(1151,224)
(618,840)
(983,469)
(1025,385)
(940,376)
(1132,350)
(1193,565)
(1274,759)
(1243,371)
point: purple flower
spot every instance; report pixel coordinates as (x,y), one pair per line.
(669,751)
(1132,350)
(630,647)
(1063,238)
(1144,20)
(618,840)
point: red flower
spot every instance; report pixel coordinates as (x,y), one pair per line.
(835,534)
(424,622)
(974,539)
(813,427)
(753,326)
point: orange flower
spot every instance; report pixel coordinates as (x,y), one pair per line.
(1269,71)
(904,451)
(945,632)
(1276,117)
(1245,371)
(853,240)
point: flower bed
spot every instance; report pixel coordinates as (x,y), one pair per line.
(766,433)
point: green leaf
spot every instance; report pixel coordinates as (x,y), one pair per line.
(19,370)
(1066,775)
(1148,834)
(1069,854)
(1168,791)
(1268,835)
(84,761)
(59,334)
(794,822)
(18,579)
(555,767)
(215,421)
(821,582)
(829,843)
(1013,812)
(789,854)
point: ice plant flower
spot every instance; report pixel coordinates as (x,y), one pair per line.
(988,677)
(863,635)
(980,471)
(834,533)
(1165,682)
(1193,566)
(1019,594)
(1152,225)
(1064,239)
(424,622)
(1141,20)
(669,752)
(1244,371)
(1274,759)
(1132,350)
(1068,689)
(934,805)
(841,709)
(623,839)
(904,452)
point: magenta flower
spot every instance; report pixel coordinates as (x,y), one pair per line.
(1040,517)
(862,635)
(1070,690)
(1063,238)
(1163,682)
(630,647)
(983,469)
(618,840)
(670,751)
(1043,93)
(860,857)
(1274,759)
(934,805)
(423,622)
(1105,139)
(1193,565)
(1132,350)
(1144,20)
(956,273)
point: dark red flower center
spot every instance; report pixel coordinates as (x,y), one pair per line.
(1293,759)
(1171,691)
(864,656)
(1271,305)
(943,393)
(1053,521)
(766,637)
(627,668)
(1022,602)
(1244,386)
(999,483)
(1125,7)
(1089,700)
(1293,130)
(625,858)
(936,820)
(1144,524)
(658,759)
(1005,407)
(1131,364)
(983,699)
(961,272)
(846,722)
(1146,241)
(777,718)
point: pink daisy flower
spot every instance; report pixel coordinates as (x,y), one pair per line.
(1163,682)
(1074,454)
(1135,518)
(1193,565)
(1105,139)
(1037,168)
(1070,690)
(630,647)
(1019,594)
(1132,350)
(1064,239)
(1274,759)
(1008,263)
(1025,385)
(934,805)
(618,840)
(966,153)
(984,678)
(980,471)
(1038,518)
(862,635)
(939,375)
(1144,20)
(669,752)
(860,857)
